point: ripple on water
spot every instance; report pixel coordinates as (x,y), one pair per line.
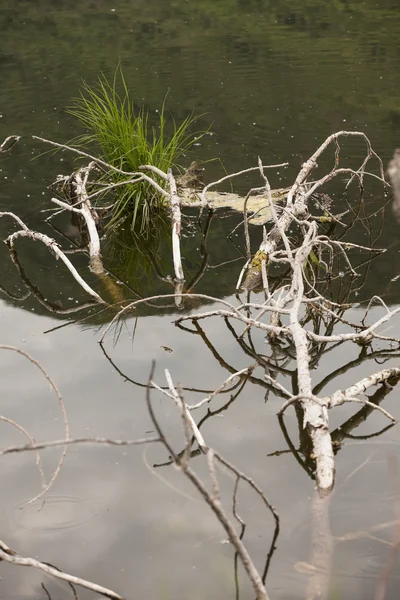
(59,512)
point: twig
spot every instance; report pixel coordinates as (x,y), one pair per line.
(12,557)
(133,305)
(72,441)
(183,408)
(220,388)
(16,218)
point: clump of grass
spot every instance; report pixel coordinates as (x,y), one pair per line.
(126,141)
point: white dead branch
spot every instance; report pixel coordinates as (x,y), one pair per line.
(351,393)
(54,249)
(84,208)
(286,307)
(213,497)
(234,311)
(184,410)
(220,388)
(203,193)
(176,227)
(10,556)
(315,415)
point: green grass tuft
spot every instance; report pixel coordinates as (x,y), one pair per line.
(126,141)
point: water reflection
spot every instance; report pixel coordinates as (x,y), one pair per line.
(247,429)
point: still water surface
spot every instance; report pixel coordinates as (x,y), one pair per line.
(274,79)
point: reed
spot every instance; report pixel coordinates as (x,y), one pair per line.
(126,140)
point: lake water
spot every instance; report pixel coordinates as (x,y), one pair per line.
(273,79)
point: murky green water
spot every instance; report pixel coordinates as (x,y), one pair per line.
(274,79)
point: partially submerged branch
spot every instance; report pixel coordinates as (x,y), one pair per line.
(58,253)
(176,227)
(83,207)
(10,556)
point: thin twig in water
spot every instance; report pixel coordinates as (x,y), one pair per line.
(9,555)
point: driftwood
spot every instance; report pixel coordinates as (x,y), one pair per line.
(257,204)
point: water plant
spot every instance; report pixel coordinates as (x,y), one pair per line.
(126,139)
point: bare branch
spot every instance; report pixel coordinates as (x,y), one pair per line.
(56,250)
(12,557)
(220,388)
(72,441)
(212,499)
(361,387)
(183,409)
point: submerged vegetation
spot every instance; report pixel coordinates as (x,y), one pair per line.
(126,140)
